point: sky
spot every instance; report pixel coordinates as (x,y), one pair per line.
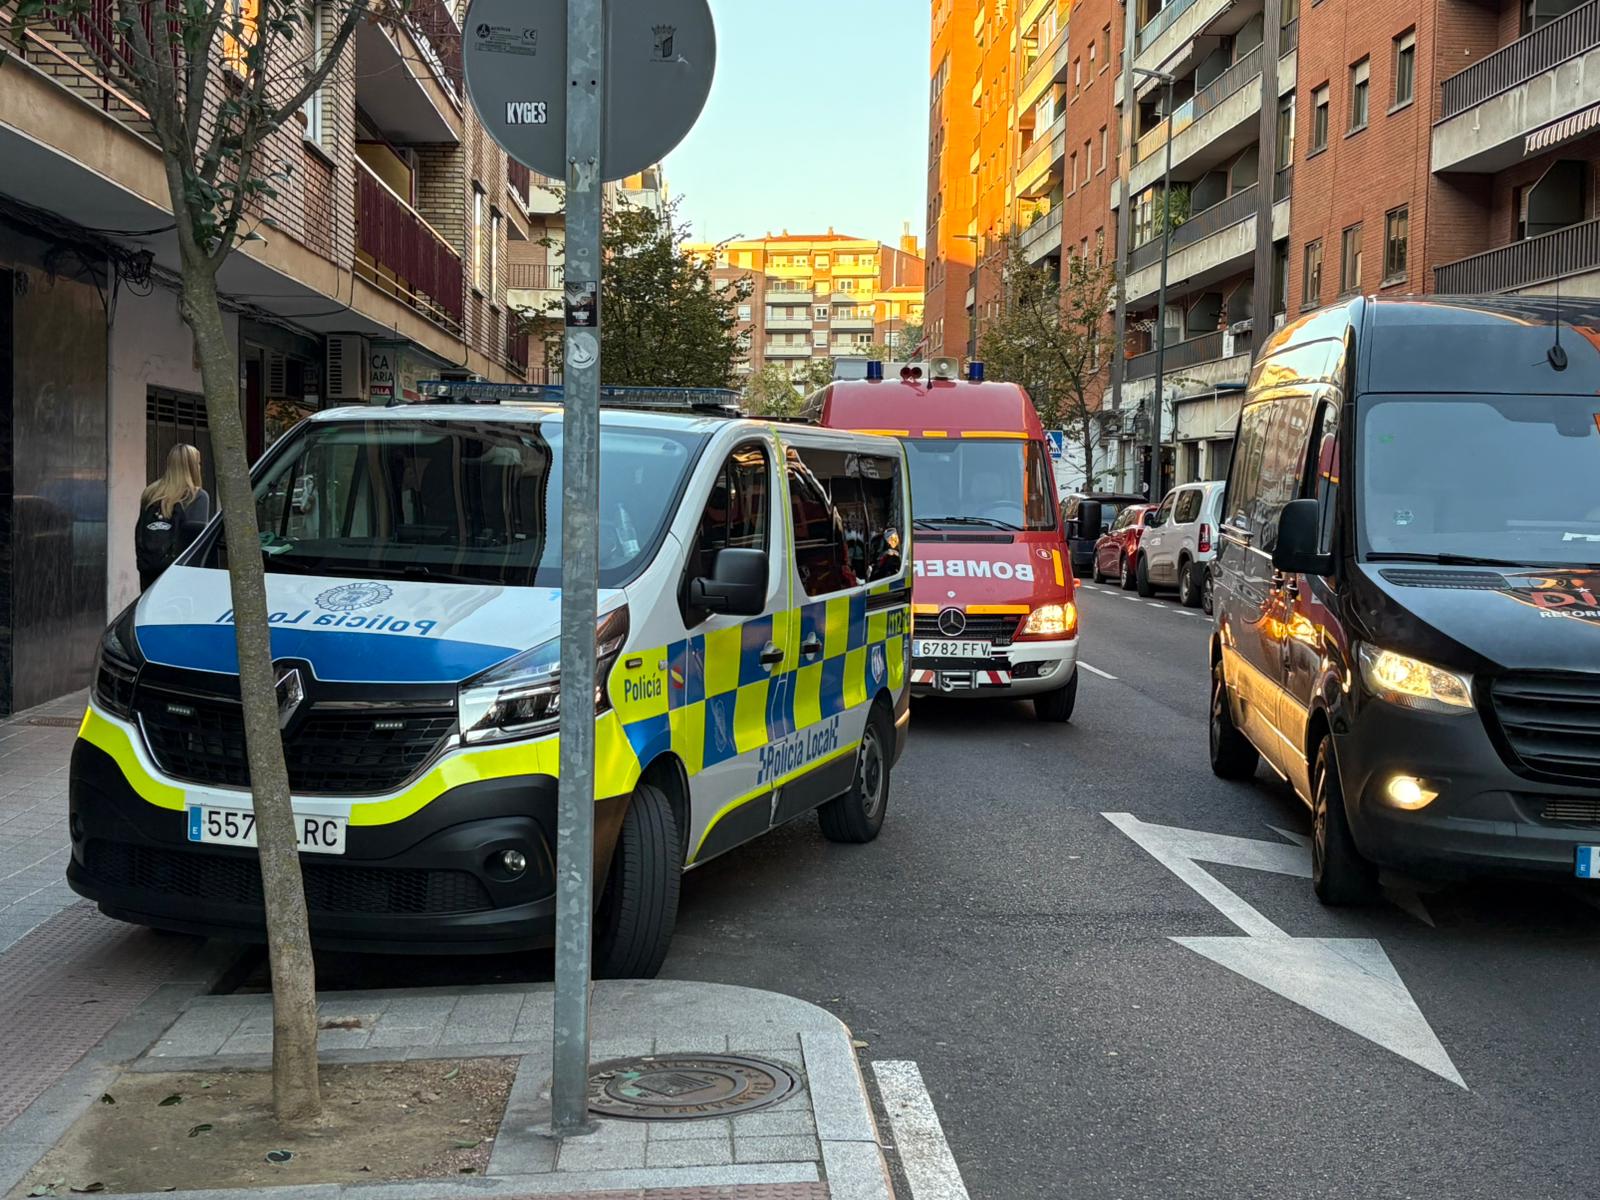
(818,116)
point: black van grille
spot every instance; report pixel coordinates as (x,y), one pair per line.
(1551,722)
(330,887)
(201,740)
(996,630)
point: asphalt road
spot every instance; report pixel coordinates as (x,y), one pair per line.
(1017,945)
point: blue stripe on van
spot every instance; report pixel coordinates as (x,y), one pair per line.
(336,655)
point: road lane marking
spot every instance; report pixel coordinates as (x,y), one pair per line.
(1096,670)
(918,1137)
(1349,981)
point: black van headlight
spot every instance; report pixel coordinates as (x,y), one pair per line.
(117,667)
(522,696)
(1413,683)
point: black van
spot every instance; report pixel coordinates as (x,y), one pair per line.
(1407,591)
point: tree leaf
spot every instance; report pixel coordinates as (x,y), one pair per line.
(199,1129)
(465,1144)
(453,1072)
(175,1098)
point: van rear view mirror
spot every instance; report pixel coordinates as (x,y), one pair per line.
(1089,515)
(1299,532)
(737,585)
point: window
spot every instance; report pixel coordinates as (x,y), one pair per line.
(1396,224)
(1311,276)
(822,262)
(478,202)
(1285,131)
(1105,40)
(1319,119)
(1405,68)
(1091,57)
(239,30)
(1350,260)
(1073,173)
(1103,152)
(1188,506)
(738,515)
(819,312)
(1088,160)
(821,554)
(1322,480)
(495,218)
(1077,73)
(1244,474)
(1359,83)
(819,337)
(316,21)
(864,493)
(744,312)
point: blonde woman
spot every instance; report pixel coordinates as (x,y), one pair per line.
(172,511)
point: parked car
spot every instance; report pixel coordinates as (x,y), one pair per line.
(1177,549)
(1118,548)
(1085,516)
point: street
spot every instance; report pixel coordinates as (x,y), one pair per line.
(1009,939)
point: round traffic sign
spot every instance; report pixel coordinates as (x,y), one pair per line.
(659,59)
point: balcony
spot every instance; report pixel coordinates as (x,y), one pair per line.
(516,345)
(788,270)
(853,323)
(1161,37)
(1043,238)
(1524,265)
(1246,70)
(408,76)
(1049,68)
(776,322)
(400,253)
(788,350)
(1210,245)
(537,193)
(1039,168)
(1525,98)
(533,286)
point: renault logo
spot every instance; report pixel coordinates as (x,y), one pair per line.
(291,694)
(952,622)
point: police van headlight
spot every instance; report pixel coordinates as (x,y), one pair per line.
(1051,621)
(117,668)
(522,696)
(1412,683)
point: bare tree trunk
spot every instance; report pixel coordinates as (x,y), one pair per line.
(295,1094)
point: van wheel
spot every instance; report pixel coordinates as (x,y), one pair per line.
(1232,755)
(1142,578)
(639,907)
(1124,574)
(1339,874)
(1057,705)
(857,815)
(1189,584)
(1207,584)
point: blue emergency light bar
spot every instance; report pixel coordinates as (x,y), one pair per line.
(721,401)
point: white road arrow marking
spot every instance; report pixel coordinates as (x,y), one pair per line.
(1350,981)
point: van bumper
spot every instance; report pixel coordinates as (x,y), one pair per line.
(1486,819)
(1029,669)
(427,884)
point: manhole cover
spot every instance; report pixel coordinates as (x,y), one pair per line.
(680,1087)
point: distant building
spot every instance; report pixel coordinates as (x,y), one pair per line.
(824,295)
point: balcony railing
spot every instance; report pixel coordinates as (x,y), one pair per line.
(518,177)
(533,277)
(407,256)
(1051,58)
(1240,206)
(1041,227)
(1536,260)
(1158,24)
(516,344)
(1198,105)
(439,35)
(1180,355)
(1055,137)
(1546,47)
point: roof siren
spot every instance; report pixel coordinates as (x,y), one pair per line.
(946,368)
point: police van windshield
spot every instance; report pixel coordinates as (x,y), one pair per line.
(458,501)
(1507,479)
(980,481)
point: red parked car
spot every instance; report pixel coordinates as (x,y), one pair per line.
(1116,554)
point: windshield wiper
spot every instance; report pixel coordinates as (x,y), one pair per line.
(989,521)
(1460,560)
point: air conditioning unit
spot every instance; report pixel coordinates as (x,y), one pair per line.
(347,367)
(277,375)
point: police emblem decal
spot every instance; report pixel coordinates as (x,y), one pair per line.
(348,597)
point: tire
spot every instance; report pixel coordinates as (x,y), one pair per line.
(1057,706)
(1232,755)
(639,908)
(1124,576)
(1339,874)
(1142,578)
(1099,575)
(1188,584)
(1207,584)
(856,816)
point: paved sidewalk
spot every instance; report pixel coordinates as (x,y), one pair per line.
(34,748)
(819,1144)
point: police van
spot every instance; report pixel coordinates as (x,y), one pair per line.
(752,648)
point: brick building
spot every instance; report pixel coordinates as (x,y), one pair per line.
(382,259)
(952,235)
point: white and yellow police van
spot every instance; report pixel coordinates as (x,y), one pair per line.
(755,591)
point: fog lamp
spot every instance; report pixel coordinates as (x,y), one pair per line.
(1409,792)
(514,861)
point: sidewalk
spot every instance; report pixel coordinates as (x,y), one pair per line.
(820,1143)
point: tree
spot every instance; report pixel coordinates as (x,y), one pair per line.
(218,79)
(1052,337)
(771,392)
(665,321)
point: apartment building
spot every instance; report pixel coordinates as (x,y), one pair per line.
(952,234)
(381,260)
(818,296)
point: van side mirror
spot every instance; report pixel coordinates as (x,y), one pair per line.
(1299,531)
(737,585)
(1089,521)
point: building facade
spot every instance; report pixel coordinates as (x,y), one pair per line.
(818,296)
(381,260)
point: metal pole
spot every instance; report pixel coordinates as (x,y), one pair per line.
(580,506)
(1161,309)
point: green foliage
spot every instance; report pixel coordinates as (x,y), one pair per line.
(664,321)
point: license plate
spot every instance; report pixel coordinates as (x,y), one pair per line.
(945,648)
(1588,864)
(235,827)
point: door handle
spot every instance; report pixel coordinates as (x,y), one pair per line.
(811,647)
(771,655)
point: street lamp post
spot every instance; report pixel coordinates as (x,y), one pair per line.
(1167,81)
